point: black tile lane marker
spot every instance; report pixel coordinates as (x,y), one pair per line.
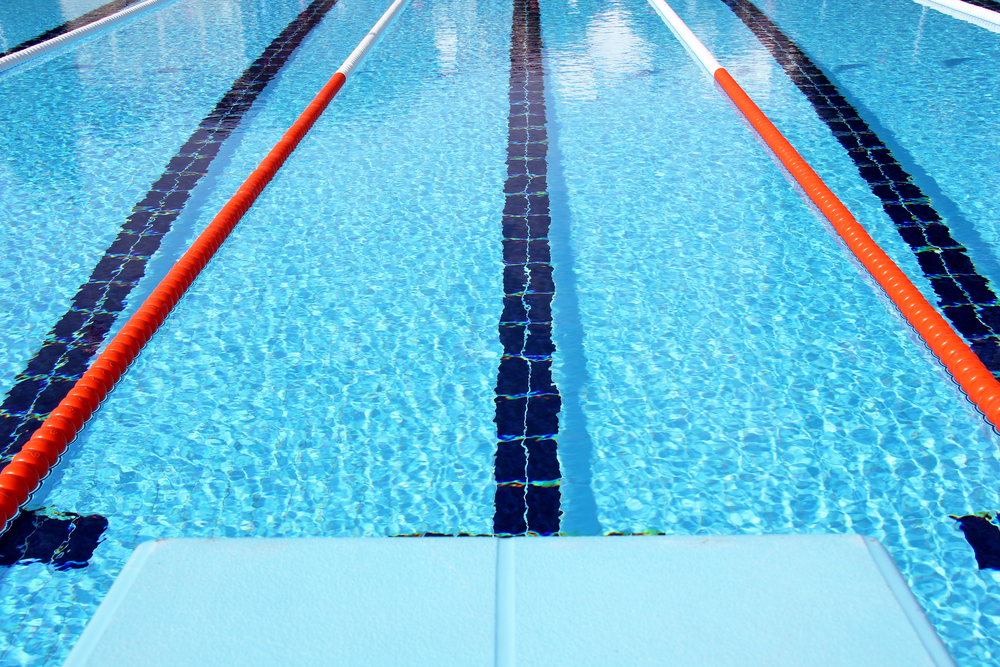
(527,401)
(984,537)
(66,541)
(94,15)
(78,335)
(964,296)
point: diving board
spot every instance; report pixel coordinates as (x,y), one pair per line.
(803,600)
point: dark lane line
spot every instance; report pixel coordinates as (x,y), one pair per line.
(964,296)
(65,540)
(94,15)
(78,335)
(527,402)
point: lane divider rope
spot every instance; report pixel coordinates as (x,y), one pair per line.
(38,49)
(963,364)
(94,311)
(21,477)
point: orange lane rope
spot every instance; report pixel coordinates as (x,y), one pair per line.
(970,373)
(21,477)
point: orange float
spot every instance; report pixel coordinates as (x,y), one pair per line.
(970,373)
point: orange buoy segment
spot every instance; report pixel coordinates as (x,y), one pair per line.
(21,477)
(970,373)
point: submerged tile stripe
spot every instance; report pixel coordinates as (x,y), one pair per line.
(984,537)
(527,401)
(78,335)
(965,296)
(66,540)
(94,15)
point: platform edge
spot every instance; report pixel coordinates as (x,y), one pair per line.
(909,604)
(92,634)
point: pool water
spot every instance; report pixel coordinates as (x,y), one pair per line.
(23,20)
(723,365)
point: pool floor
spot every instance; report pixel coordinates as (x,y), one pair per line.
(530,273)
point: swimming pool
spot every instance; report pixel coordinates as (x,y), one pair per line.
(721,365)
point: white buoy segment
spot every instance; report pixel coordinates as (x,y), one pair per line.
(360,52)
(687,38)
(964,11)
(38,49)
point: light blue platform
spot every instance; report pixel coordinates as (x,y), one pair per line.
(802,600)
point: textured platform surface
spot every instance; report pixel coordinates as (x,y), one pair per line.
(808,600)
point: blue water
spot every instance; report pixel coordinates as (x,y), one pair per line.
(929,80)
(87,130)
(726,367)
(21,20)
(775,392)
